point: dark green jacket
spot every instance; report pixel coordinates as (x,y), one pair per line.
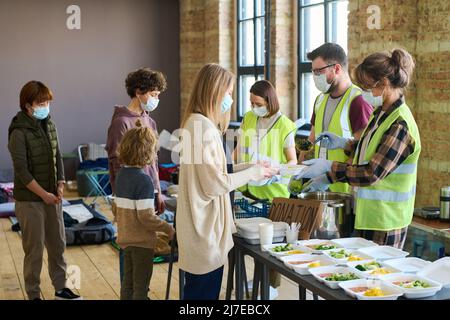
(34,149)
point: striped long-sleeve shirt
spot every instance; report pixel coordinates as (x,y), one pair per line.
(134,210)
(395,146)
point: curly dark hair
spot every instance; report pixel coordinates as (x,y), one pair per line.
(145,80)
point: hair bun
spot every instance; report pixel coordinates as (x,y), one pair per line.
(404,64)
(138,123)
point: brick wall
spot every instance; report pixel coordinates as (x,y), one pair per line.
(283,54)
(421,27)
(207,35)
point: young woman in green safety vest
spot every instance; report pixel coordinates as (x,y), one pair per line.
(384,168)
(267,135)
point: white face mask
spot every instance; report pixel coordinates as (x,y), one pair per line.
(260,111)
(321,83)
(371,99)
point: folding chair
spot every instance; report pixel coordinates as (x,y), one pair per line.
(97,177)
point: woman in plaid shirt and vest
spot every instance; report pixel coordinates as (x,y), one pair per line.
(383,171)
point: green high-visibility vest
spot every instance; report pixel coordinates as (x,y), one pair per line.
(339,125)
(271,146)
(389,203)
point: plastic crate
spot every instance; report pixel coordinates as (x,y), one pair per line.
(249,210)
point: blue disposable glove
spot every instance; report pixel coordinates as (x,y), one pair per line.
(274,179)
(333,141)
(319,183)
(316,168)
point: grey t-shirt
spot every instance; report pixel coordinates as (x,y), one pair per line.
(330,108)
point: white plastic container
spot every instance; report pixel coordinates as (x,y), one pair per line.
(438,271)
(373,274)
(304,261)
(354,243)
(322,272)
(390,292)
(295,250)
(248,228)
(413,293)
(383,252)
(408,265)
(345,260)
(313,243)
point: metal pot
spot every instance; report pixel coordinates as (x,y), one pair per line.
(337,219)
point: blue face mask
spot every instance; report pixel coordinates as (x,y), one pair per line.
(41,113)
(226,103)
(151,104)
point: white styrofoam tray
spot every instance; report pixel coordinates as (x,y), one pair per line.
(390,292)
(248,228)
(408,265)
(383,252)
(345,261)
(296,250)
(438,271)
(354,243)
(413,293)
(275,240)
(310,244)
(368,273)
(320,271)
(304,260)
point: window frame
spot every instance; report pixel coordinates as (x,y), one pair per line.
(255,69)
(304,67)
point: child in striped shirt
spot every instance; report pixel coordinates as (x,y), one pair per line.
(134,210)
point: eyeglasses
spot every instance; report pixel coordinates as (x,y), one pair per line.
(317,71)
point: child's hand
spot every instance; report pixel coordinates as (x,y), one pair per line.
(60,190)
(171,234)
(50,198)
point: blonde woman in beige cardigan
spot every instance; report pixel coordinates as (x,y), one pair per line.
(204,215)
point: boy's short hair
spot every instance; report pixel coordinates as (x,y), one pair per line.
(329,52)
(138,146)
(34,91)
(145,80)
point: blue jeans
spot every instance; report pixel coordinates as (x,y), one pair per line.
(203,286)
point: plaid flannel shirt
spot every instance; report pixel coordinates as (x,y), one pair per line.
(395,146)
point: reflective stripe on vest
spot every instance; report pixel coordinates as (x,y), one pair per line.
(344,116)
(384,195)
(404,168)
(339,125)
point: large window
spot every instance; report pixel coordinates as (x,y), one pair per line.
(252,53)
(319,21)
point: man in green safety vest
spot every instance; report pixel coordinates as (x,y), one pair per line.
(339,108)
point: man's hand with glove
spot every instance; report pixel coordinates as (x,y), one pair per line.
(333,142)
(316,168)
(319,183)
